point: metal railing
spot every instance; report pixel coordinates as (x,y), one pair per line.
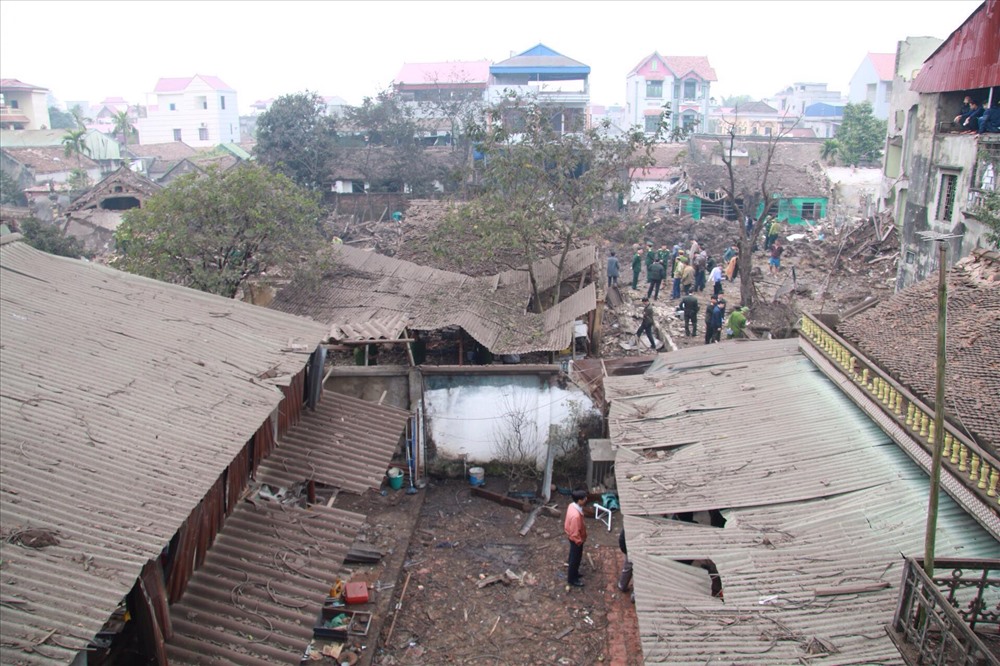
(936,617)
(977,469)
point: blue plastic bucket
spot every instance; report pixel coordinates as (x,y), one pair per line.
(477,476)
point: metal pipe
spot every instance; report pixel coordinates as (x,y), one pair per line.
(932,505)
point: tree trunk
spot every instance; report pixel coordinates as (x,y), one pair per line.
(745,264)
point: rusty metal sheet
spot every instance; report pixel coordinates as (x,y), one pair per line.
(124,399)
(968,59)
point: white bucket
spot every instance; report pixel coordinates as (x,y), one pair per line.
(477,476)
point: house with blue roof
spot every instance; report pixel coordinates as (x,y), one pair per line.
(549,78)
(823,118)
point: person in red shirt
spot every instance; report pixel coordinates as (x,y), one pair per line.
(576,532)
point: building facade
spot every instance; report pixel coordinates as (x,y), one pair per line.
(200,110)
(682,81)
(935,174)
(23,106)
(793,100)
(872,83)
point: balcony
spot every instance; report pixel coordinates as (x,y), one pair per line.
(951,618)
(12,115)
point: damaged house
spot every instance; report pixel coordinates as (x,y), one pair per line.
(93,217)
(935,171)
(140,473)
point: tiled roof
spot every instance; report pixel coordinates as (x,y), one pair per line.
(14,84)
(900,335)
(368,287)
(813,492)
(444,73)
(123,401)
(130,182)
(174,150)
(49,159)
(789,180)
(885,65)
(179,84)
(683,65)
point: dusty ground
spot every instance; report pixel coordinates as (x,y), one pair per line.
(446,541)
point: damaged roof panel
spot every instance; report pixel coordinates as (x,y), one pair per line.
(162,388)
(366,287)
(813,493)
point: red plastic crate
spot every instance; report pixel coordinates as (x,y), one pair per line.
(356,593)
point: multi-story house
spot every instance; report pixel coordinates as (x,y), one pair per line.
(199,110)
(793,100)
(750,119)
(23,106)
(550,79)
(935,174)
(683,81)
(443,95)
(872,83)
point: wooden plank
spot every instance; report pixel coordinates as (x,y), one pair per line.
(520,505)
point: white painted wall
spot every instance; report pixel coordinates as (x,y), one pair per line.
(189,116)
(465,413)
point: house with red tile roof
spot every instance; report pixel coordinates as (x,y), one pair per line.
(199,110)
(683,81)
(872,82)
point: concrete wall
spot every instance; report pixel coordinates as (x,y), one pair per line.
(466,413)
(189,116)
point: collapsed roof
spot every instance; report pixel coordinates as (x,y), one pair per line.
(376,297)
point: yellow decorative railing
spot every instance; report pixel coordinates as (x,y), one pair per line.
(976,468)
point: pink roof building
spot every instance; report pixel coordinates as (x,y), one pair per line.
(872,82)
(456,74)
(683,81)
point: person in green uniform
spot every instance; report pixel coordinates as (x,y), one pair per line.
(636,267)
(650,258)
(737,323)
(772,234)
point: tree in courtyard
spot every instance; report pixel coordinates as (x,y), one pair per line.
(50,238)
(217,231)
(861,135)
(829,151)
(749,190)
(297,138)
(61,119)
(75,143)
(11,193)
(542,187)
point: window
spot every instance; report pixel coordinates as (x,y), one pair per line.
(13,104)
(888,92)
(201,102)
(203,134)
(870,92)
(655,65)
(222,101)
(177,134)
(767,131)
(690,89)
(173,107)
(946,196)
(654,88)
(653,123)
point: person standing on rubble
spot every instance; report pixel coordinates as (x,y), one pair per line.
(774,263)
(636,267)
(613,270)
(772,234)
(690,306)
(650,258)
(576,531)
(656,275)
(647,324)
(715,277)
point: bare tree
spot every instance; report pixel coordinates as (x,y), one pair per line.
(516,437)
(750,192)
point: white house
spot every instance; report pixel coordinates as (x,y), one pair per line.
(793,100)
(23,106)
(199,110)
(684,81)
(873,82)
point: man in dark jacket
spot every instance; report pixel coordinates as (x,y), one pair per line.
(613,270)
(656,275)
(647,323)
(709,333)
(636,267)
(715,319)
(690,306)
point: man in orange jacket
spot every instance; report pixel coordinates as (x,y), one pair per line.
(576,532)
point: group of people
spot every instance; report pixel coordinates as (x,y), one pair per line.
(716,321)
(690,269)
(975,117)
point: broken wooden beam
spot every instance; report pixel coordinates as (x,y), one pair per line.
(520,505)
(850,589)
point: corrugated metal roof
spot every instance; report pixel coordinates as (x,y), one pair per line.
(123,400)
(346,442)
(262,585)
(366,288)
(968,59)
(814,494)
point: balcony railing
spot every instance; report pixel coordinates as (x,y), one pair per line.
(969,464)
(936,618)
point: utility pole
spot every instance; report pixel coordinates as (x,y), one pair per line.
(938,443)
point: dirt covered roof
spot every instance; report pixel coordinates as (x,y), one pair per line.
(900,335)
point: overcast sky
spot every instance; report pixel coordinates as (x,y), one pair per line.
(92,50)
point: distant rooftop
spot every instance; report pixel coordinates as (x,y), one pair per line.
(544,62)
(14,84)
(172,85)
(436,73)
(885,65)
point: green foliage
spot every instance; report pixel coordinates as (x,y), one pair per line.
(123,126)
(50,238)
(61,119)
(861,135)
(736,100)
(214,232)
(988,212)
(541,190)
(830,149)
(78,117)
(295,137)
(11,193)
(75,142)
(79,181)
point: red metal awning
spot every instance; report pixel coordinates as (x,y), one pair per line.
(968,59)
